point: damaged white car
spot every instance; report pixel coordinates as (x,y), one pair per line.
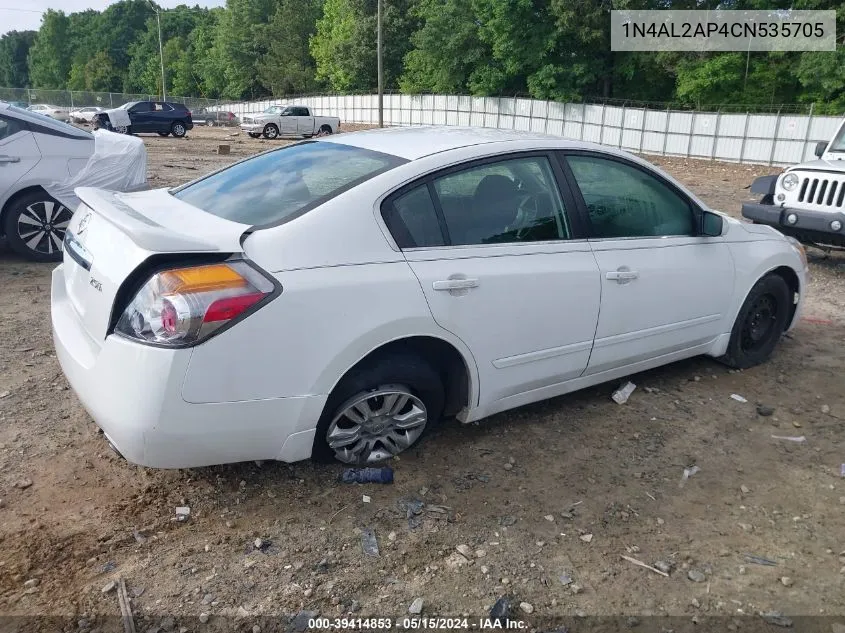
(41,162)
(806,201)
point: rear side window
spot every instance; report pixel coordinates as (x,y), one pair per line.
(412,219)
(9,126)
(280,185)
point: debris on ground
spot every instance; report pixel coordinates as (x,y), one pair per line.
(5,394)
(696,575)
(586,537)
(526,607)
(799,439)
(23,484)
(688,472)
(416,606)
(501,609)
(738,398)
(764,411)
(369,542)
(223,149)
(777,619)
(182,513)
(621,395)
(367,475)
(642,564)
(759,560)
(366,498)
(786,581)
(109,587)
(664,566)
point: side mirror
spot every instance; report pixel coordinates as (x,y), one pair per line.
(820,147)
(711,224)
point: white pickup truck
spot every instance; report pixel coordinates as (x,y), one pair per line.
(806,201)
(278,121)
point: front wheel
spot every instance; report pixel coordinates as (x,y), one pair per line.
(760,323)
(164,133)
(35,226)
(254,134)
(271,131)
(379,410)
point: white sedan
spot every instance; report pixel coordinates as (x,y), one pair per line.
(85,115)
(338,298)
(54,112)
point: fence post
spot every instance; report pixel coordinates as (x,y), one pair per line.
(744,136)
(498,113)
(807,135)
(622,128)
(716,134)
(775,139)
(583,116)
(691,134)
(531,116)
(513,125)
(642,132)
(111,100)
(71,99)
(666,130)
(601,125)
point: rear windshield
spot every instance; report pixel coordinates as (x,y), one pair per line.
(280,185)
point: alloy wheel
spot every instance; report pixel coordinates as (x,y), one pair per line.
(376,425)
(42,226)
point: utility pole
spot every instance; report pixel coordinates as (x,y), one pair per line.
(160,49)
(380,70)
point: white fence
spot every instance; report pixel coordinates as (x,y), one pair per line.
(769,139)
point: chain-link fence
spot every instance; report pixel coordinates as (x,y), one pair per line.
(81,98)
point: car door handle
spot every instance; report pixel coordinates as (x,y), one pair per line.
(455,284)
(622,276)
(10,159)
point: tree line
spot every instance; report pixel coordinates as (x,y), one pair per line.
(548,49)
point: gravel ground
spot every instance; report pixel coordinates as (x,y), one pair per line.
(538,504)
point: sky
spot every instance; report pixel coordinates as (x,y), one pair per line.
(14,17)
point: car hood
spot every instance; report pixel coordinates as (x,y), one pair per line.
(821,165)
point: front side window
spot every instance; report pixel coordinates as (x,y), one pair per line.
(624,201)
(514,200)
(838,143)
(279,185)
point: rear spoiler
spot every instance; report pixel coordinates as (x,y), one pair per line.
(146,233)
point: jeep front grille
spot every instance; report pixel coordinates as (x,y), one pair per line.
(826,192)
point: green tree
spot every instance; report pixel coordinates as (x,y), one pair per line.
(14,49)
(49,57)
(288,67)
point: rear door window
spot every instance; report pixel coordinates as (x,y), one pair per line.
(9,127)
(280,185)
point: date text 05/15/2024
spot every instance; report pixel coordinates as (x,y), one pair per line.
(415,623)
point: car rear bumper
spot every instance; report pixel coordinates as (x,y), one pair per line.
(133,393)
(805,220)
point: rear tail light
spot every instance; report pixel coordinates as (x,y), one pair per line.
(184,306)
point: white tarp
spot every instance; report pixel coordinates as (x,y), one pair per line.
(118,117)
(119,163)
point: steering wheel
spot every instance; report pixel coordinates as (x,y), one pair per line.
(526,214)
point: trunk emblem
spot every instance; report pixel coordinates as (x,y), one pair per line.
(83,223)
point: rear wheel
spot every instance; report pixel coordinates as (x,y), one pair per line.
(324,130)
(760,323)
(209,122)
(178,129)
(271,131)
(35,225)
(379,410)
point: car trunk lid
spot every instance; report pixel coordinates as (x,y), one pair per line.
(112,234)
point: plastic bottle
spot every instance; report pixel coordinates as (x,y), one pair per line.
(368,475)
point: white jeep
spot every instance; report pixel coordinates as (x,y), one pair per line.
(806,201)
(278,121)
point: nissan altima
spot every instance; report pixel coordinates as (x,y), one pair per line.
(337,298)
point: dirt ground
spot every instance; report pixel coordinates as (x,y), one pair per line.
(547,499)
